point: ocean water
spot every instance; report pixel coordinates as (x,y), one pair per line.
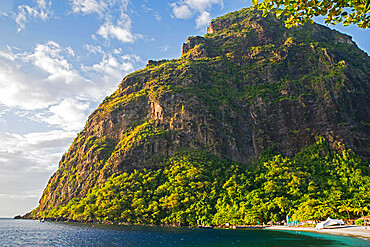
(32,233)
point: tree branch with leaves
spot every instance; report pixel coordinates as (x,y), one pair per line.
(302,11)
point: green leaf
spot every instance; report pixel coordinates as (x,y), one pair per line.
(278,13)
(367,6)
(264,14)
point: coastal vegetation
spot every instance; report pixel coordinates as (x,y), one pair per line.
(194,187)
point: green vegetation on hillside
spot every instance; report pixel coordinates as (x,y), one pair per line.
(195,187)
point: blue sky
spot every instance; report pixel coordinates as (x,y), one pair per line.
(59,59)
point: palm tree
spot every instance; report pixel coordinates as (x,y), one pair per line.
(360,209)
(346,206)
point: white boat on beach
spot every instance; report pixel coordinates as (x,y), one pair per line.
(329,222)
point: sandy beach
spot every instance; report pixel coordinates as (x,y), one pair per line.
(353,231)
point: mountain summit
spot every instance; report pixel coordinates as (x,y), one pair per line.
(248,87)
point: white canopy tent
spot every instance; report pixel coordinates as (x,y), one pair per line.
(329,222)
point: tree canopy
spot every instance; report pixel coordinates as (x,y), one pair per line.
(335,11)
(196,188)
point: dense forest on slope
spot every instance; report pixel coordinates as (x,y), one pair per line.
(249,87)
(194,187)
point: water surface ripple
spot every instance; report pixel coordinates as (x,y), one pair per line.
(32,233)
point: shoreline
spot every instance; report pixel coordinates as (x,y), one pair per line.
(346,230)
(349,230)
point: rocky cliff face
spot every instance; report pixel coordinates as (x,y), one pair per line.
(249,84)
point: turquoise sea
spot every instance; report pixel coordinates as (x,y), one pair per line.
(32,233)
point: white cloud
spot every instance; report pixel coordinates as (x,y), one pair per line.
(45,80)
(96,49)
(117,24)
(3,111)
(70,51)
(108,30)
(88,7)
(38,150)
(37,79)
(26,13)
(15,143)
(46,76)
(157,16)
(8,54)
(93,48)
(26,163)
(146,8)
(181,11)
(70,114)
(117,51)
(100,7)
(42,3)
(49,58)
(202,5)
(111,68)
(20,89)
(203,19)
(120,31)
(185,9)
(17,196)
(131,57)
